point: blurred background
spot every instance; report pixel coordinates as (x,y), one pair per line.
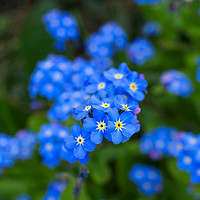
(24,41)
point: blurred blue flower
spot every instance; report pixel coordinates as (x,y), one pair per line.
(140,51)
(151,28)
(148,179)
(177,82)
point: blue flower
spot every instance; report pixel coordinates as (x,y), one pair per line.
(140,51)
(97,47)
(121,126)
(117,76)
(151,28)
(83,110)
(79,142)
(122,104)
(61,25)
(135,86)
(97,126)
(99,85)
(177,82)
(148,179)
(195,175)
(105,104)
(114,34)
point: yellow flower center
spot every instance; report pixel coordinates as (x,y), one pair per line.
(105,105)
(125,107)
(133,86)
(119,76)
(87,108)
(101,126)
(118,125)
(101,85)
(80,140)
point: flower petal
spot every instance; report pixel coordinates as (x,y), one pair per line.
(91,89)
(129,130)
(76,130)
(99,115)
(85,160)
(96,137)
(89,145)
(113,115)
(69,142)
(116,137)
(79,152)
(126,117)
(69,156)
(81,115)
(89,124)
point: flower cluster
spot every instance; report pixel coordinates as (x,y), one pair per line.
(140,51)
(23,144)
(148,179)
(186,148)
(51,137)
(177,82)
(110,38)
(50,77)
(55,190)
(151,28)
(63,81)
(62,26)
(19,147)
(147,1)
(110,112)
(158,143)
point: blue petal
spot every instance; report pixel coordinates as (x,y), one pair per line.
(79,109)
(95,100)
(85,134)
(111,126)
(89,145)
(123,68)
(139,95)
(129,130)
(132,76)
(89,124)
(126,117)
(79,152)
(142,84)
(96,137)
(69,156)
(107,135)
(116,137)
(69,142)
(133,105)
(109,74)
(91,89)
(113,115)
(99,115)
(85,160)
(76,130)
(82,115)
(119,100)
